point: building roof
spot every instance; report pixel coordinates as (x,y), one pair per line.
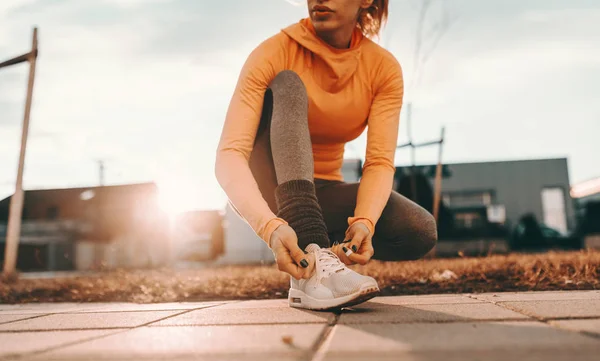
(77,191)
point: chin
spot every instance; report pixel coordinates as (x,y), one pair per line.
(324,25)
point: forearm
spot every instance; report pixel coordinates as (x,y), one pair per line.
(373,194)
(234,175)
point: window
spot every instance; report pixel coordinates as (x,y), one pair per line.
(553,206)
(468,220)
(468,199)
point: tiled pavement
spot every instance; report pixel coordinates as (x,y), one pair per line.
(525,326)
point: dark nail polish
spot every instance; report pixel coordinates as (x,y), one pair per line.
(354,248)
(335,243)
(345,249)
(304,263)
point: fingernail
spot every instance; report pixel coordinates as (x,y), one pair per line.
(345,249)
(335,243)
(304,263)
(354,248)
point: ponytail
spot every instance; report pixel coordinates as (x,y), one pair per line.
(371,20)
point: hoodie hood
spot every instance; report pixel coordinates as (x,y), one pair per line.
(337,65)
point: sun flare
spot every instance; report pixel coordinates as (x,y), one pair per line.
(176,195)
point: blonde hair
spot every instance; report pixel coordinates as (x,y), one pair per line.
(372,19)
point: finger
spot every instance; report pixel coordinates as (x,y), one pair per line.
(368,250)
(338,250)
(357,241)
(298,255)
(361,259)
(349,254)
(289,267)
(366,247)
(308,272)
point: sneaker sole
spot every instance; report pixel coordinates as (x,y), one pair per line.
(299,299)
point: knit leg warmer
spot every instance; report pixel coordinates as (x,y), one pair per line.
(297,203)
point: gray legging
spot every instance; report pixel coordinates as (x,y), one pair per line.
(282,158)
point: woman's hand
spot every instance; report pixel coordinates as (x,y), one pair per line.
(290,258)
(358,246)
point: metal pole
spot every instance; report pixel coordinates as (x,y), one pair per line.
(438,180)
(413,181)
(16,202)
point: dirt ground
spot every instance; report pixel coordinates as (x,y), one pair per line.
(515,272)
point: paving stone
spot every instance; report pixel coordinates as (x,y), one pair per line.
(212,342)
(380,313)
(425,300)
(87,321)
(25,342)
(456,337)
(557,309)
(591,326)
(537,296)
(232,316)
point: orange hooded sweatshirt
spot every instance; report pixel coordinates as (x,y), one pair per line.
(348,90)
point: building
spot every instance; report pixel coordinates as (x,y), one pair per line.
(512,189)
(483,203)
(90,227)
(587,200)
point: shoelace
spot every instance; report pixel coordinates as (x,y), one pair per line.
(328,263)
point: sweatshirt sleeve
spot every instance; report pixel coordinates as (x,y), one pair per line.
(382,136)
(237,139)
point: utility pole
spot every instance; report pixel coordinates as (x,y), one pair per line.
(438,180)
(13,233)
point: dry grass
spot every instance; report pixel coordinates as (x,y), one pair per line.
(534,272)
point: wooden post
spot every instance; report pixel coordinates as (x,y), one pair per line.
(16,202)
(438,181)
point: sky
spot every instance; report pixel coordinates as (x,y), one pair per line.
(145,85)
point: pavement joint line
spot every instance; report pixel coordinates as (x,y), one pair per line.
(67,344)
(244,324)
(327,323)
(582,332)
(321,345)
(128,311)
(466,321)
(548,320)
(65,329)
(425,304)
(25,319)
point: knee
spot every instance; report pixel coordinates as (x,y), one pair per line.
(419,237)
(289,88)
(427,234)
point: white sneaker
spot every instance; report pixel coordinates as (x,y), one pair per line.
(333,285)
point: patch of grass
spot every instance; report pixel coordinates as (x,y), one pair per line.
(515,272)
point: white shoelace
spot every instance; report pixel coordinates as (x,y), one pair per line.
(328,263)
